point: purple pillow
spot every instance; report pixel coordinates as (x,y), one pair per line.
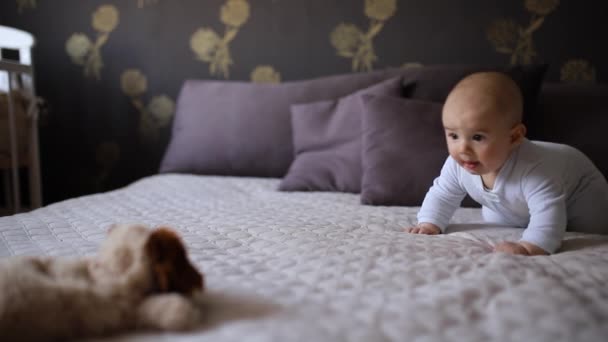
(403,149)
(244,129)
(327,142)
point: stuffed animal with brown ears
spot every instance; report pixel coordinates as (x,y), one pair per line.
(141,278)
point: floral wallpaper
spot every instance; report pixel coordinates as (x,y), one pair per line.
(83,50)
(510,38)
(352,42)
(110,71)
(210,47)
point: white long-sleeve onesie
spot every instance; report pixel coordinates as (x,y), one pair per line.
(543,187)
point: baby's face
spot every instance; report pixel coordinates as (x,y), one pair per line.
(478,137)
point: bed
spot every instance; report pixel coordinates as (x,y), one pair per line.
(318,265)
(321,267)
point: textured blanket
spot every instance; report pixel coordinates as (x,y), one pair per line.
(321,267)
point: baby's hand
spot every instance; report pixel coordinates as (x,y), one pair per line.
(424,228)
(511,248)
(519,248)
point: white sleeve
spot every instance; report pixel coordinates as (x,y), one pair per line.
(443,198)
(547,204)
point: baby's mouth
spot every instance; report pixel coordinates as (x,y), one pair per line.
(469,165)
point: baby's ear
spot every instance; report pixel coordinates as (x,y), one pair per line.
(518,133)
(172,270)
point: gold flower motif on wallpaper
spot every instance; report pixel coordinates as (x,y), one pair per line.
(541,7)
(83,51)
(107,156)
(265,74)
(210,47)
(25,4)
(156,115)
(510,38)
(142,3)
(352,42)
(577,70)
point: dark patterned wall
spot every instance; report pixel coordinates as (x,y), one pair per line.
(110,71)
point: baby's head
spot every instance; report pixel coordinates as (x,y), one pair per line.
(482,120)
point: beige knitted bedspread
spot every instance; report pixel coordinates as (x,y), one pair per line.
(321,267)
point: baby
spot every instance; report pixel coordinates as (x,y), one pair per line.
(540,186)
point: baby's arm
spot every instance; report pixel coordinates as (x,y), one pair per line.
(440,202)
(547,204)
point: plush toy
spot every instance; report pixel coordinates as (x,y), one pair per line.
(141,278)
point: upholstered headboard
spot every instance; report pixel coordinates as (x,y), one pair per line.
(377,133)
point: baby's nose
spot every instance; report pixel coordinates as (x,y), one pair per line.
(463,147)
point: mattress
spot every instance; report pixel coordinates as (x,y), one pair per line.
(314,266)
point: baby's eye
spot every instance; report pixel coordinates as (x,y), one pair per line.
(478,137)
(453,136)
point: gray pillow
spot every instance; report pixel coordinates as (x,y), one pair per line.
(434,82)
(244,129)
(403,149)
(575,114)
(327,142)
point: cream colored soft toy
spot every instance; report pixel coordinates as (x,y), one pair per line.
(140,279)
